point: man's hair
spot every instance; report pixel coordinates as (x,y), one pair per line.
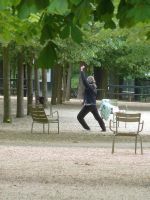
(90,79)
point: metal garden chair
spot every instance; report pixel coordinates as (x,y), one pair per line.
(133,127)
(39,116)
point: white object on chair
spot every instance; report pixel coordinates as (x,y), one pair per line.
(107,108)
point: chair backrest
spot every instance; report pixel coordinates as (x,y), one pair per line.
(128,117)
(38,114)
(132,121)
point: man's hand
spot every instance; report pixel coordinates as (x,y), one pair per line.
(82,67)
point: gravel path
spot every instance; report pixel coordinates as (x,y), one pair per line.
(71,166)
(35,172)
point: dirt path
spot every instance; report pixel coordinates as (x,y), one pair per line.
(73,165)
(47,171)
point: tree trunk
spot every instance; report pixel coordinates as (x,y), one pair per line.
(44,86)
(137,90)
(64,85)
(36,84)
(20,86)
(68,83)
(29,87)
(59,84)
(101,77)
(54,86)
(6,85)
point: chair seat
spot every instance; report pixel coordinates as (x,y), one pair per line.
(52,118)
(126,134)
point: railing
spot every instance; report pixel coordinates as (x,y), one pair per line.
(130,93)
(13,87)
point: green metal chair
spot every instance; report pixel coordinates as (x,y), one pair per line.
(39,116)
(133,127)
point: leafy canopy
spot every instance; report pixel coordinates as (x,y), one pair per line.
(65,18)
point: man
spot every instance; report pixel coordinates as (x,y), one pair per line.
(89,101)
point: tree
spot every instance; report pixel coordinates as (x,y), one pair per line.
(20,85)
(66,19)
(36,82)
(6,83)
(44,85)
(63,18)
(54,85)
(29,86)
(20,33)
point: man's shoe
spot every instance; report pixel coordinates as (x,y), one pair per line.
(86,131)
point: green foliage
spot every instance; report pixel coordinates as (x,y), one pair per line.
(75,2)
(136,63)
(131,12)
(104,13)
(76,34)
(50,28)
(148,35)
(8,3)
(27,7)
(75,80)
(82,13)
(117,51)
(48,56)
(58,7)
(65,32)
(14,30)
(62,19)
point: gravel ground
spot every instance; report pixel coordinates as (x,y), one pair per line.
(73,165)
(65,172)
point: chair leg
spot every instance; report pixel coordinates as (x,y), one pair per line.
(58,127)
(113,119)
(141,145)
(32,127)
(113,144)
(43,128)
(48,128)
(135,143)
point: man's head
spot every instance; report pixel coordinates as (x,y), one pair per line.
(90,79)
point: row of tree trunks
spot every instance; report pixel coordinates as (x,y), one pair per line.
(21,78)
(59,92)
